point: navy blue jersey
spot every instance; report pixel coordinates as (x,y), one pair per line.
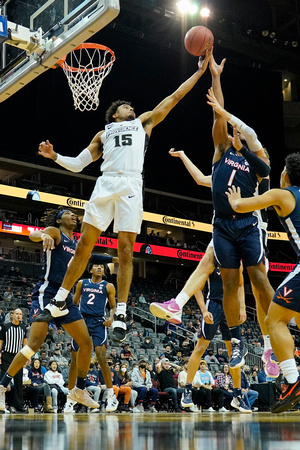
(230,170)
(93,298)
(291,223)
(56,261)
(215,286)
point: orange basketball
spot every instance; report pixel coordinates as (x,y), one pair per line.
(198,40)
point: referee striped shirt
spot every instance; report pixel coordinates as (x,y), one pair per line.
(12,337)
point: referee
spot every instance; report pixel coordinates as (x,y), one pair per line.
(12,339)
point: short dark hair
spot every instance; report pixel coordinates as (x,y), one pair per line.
(113,109)
(50,216)
(292,164)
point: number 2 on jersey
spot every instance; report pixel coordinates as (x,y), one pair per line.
(91,299)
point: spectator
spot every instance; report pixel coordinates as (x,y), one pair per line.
(93,384)
(60,337)
(191,328)
(222,359)
(254,377)
(153,373)
(186,347)
(204,380)
(224,381)
(212,361)
(249,336)
(168,353)
(141,382)
(115,356)
(56,382)
(134,330)
(125,385)
(38,387)
(262,377)
(147,343)
(67,352)
(249,394)
(170,339)
(166,370)
(179,359)
(8,294)
(61,361)
(142,300)
(126,353)
(2,316)
(258,349)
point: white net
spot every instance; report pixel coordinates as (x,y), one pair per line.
(85,68)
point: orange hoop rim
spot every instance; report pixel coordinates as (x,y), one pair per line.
(91,45)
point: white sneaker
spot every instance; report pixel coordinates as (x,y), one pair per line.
(194,408)
(2,397)
(211,409)
(140,408)
(136,410)
(82,396)
(223,409)
(95,410)
(69,406)
(112,403)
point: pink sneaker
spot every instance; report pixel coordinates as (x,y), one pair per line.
(169,311)
(272,369)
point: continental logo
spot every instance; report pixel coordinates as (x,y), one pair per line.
(179,222)
(184,254)
(75,202)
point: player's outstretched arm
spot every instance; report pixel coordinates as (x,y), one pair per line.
(152,118)
(282,200)
(50,236)
(74,164)
(199,177)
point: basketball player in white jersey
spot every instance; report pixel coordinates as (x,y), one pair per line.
(117,194)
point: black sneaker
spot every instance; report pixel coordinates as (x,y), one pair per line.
(119,328)
(288,398)
(53,310)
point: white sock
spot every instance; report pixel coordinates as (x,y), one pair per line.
(121,309)
(181,299)
(267,342)
(61,294)
(289,370)
(110,392)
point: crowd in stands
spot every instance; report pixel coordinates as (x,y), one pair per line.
(148,370)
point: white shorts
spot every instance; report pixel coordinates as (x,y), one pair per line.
(117,197)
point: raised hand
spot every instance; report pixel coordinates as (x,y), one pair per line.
(177,154)
(203,63)
(46,150)
(214,102)
(235,140)
(233,194)
(216,69)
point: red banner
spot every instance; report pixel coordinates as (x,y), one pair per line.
(139,247)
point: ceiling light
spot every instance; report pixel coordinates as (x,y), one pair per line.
(183,6)
(265,33)
(205,12)
(294,44)
(272,35)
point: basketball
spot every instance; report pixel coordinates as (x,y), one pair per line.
(198,40)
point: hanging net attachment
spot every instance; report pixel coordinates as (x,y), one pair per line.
(85,68)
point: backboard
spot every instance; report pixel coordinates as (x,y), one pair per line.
(60,26)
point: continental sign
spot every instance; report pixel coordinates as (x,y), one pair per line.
(139,247)
(147,216)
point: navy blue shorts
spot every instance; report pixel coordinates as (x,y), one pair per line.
(208,330)
(42,295)
(237,239)
(288,292)
(97,331)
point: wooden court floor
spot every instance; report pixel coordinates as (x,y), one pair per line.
(207,431)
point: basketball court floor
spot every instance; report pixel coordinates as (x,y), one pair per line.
(188,431)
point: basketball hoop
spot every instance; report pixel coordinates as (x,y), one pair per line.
(87,66)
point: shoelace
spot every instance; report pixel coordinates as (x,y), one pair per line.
(236,351)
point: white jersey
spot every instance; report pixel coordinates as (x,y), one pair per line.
(124,147)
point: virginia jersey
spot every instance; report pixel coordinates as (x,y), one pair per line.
(93,298)
(230,170)
(215,286)
(56,261)
(291,223)
(124,146)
